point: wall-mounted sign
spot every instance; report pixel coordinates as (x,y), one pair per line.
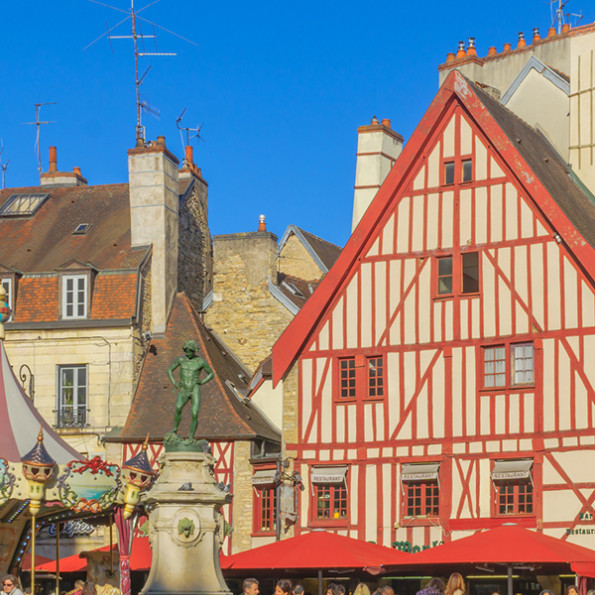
(71,529)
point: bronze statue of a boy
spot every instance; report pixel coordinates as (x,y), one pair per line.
(188,387)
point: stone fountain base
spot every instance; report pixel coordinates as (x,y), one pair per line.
(186,527)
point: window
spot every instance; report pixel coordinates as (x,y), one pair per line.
(347,378)
(520,370)
(22,204)
(458,170)
(361,376)
(74,296)
(421,489)
(375,377)
(421,498)
(7,284)
(467,170)
(513,486)
(449,172)
(457,275)
(329,495)
(330,502)
(72,396)
(265,510)
(515,498)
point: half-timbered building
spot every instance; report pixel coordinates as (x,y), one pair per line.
(441,378)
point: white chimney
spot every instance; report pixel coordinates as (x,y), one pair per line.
(154,208)
(378,147)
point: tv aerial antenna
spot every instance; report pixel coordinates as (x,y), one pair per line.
(183,130)
(559,17)
(38,123)
(138,38)
(4,165)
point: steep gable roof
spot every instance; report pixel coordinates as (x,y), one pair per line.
(534,163)
(223,414)
(323,253)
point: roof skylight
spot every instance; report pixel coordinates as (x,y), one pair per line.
(22,204)
(81,229)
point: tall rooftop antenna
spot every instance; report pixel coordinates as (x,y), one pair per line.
(4,165)
(183,130)
(38,124)
(559,17)
(137,36)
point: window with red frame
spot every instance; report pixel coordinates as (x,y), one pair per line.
(265,510)
(421,498)
(508,365)
(514,498)
(361,376)
(329,502)
(458,276)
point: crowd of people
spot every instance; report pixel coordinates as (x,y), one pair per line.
(436,586)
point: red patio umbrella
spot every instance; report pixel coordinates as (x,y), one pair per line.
(139,560)
(318,550)
(509,545)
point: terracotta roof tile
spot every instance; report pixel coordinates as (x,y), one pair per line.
(37,299)
(114,296)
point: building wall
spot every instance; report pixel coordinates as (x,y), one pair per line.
(243,312)
(195,254)
(110,354)
(295,260)
(435,406)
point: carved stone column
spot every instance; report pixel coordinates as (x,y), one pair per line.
(186,527)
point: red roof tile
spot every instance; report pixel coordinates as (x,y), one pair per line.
(37,299)
(114,296)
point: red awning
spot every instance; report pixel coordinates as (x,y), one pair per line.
(140,558)
(26,561)
(317,550)
(509,545)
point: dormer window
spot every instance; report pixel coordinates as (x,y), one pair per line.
(22,204)
(74,296)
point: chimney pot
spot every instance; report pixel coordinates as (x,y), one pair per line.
(565,27)
(450,57)
(386,122)
(461,50)
(189,156)
(161,140)
(53,160)
(536,36)
(507,47)
(374,121)
(77,171)
(262,223)
(551,32)
(471,51)
(522,43)
(492,51)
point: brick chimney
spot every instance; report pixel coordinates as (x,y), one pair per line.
(54,178)
(154,197)
(378,147)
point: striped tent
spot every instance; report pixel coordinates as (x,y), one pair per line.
(20,421)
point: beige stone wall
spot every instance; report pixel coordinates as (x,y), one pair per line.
(195,254)
(154,206)
(243,312)
(295,260)
(110,355)
(241,538)
(290,409)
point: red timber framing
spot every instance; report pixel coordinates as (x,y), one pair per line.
(223,453)
(488,375)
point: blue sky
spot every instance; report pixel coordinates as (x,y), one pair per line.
(280,89)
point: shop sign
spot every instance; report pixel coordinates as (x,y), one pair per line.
(71,529)
(407,546)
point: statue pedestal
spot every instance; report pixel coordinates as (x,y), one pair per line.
(186,527)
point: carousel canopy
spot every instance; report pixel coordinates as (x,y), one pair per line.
(20,421)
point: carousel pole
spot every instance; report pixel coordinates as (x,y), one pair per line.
(33,531)
(111,544)
(58,528)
